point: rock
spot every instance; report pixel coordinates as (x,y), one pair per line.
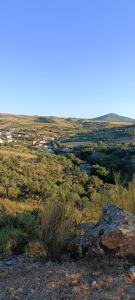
(132,273)
(94,284)
(3,273)
(115,231)
(9,263)
(20,290)
(132,269)
(11,289)
(32,291)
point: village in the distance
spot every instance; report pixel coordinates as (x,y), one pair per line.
(37,142)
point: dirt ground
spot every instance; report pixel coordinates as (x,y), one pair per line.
(95,279)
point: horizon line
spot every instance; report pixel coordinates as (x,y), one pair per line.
(62,116)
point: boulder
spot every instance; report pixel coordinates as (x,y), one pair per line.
(115,231)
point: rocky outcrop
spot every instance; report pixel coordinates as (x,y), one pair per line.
(115,231)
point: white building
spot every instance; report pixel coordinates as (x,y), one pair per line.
(1,141)
(9,139)
(43,142)
(9,136)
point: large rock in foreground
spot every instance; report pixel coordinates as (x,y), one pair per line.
(115,231)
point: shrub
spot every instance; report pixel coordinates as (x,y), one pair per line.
(56,227)
(100,171)
(12,240)
(6,220)
(35,248)
(13,192)
(28,223)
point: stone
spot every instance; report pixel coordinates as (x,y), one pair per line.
(132,273)
(115,231)
(20,290)
(9,263)
(94,284)
(3,273)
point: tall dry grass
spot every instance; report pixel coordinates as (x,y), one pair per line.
(56,227)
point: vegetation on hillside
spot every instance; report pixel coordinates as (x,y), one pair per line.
(43,196)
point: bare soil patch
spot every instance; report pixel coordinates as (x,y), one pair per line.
(97,279)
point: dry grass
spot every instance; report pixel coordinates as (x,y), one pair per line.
(120,196)
(16,152)
(13,207)
(56,227)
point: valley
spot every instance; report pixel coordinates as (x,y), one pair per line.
(56,175)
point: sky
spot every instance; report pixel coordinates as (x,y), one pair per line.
(67,57)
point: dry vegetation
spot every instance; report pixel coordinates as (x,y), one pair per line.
(56,227)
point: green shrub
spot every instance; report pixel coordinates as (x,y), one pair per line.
(6,220)
(100,171)
(28,223)
(12,240)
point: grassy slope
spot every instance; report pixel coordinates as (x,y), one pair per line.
(17,151)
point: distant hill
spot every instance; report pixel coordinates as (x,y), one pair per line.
(114,118)
(53,124)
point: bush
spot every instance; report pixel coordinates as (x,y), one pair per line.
(100,171)
(35,248)
(6,220)
(56,227)
(17,230)
(28,223)
(12,240)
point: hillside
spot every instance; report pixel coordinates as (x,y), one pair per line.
(114,118)
(56,174)
(70,131)
(8,121)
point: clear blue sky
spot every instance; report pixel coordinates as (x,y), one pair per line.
(67,57)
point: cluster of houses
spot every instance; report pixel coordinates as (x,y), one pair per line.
(6,137)
(11,136)
(40,142)
(49,145)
